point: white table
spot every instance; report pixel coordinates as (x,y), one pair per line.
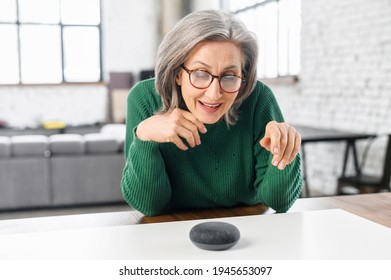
(323,234)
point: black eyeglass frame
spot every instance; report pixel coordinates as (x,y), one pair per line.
(188,71)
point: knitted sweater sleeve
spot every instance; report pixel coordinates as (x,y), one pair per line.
(276,188)
(145,184)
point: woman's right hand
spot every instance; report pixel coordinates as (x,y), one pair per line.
(171,127)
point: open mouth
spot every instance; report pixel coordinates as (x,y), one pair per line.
(210,107)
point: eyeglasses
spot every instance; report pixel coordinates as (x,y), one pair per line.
(202,79)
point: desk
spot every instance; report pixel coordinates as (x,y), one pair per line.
(295,235)
(331,234)
(374,207)
(315,135)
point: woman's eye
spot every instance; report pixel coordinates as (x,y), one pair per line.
(229,77)
(201,74)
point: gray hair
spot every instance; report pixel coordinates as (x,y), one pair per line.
(197,27)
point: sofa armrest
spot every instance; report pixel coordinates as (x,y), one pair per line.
(5,147)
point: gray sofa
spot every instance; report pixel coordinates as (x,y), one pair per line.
(62,169)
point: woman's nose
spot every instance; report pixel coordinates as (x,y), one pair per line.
(213,91)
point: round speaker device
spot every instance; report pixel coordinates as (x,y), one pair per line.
(214,235)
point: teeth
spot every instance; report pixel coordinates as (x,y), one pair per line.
(210,105)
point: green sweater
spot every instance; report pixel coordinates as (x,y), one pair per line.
(228,169)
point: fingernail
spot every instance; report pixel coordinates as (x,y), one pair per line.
(275,163)
(275,150)
(281,166)
(205,130)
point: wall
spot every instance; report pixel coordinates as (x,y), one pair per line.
(130,35)
(29,106)
(206,4)
(344,81)
(129,40)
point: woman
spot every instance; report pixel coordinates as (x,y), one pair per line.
(205,133)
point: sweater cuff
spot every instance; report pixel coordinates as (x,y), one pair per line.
(141,144)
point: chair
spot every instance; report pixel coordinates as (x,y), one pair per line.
(364,183)
(147,74)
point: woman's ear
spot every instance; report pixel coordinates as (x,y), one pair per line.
(178,79)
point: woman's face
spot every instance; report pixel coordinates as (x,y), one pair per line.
(218,58)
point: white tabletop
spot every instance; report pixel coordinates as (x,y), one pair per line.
(323,234)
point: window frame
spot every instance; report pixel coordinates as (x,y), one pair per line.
(284,78)
(61,26)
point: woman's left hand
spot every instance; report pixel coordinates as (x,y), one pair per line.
(283,141)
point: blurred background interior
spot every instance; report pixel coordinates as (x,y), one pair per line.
(66,68)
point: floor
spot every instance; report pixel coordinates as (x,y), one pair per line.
(20,214)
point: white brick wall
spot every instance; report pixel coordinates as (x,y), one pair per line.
(345,80)
(74,104)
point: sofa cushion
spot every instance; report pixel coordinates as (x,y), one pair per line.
(30,145)
(116,130)
(101,143)
(67,144)
(5,146)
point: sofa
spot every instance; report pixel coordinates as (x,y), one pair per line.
(66,169)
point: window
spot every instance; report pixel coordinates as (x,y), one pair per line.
(50,41)
(277,24)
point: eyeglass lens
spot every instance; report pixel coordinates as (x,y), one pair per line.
(203,79)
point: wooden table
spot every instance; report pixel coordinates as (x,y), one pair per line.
(316,135)
(374,207)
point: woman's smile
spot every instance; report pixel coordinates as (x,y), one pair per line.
(210,107)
